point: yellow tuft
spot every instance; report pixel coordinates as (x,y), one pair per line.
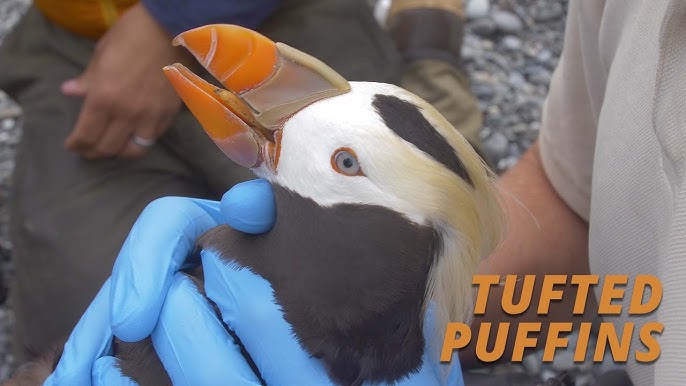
(470,219)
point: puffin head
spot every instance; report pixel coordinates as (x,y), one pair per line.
(300,125)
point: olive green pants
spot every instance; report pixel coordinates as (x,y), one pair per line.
(70,216)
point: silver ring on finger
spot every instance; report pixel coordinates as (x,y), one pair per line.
(143,142)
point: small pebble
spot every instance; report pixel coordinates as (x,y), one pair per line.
(8,123)
(507,22)
(550,12)
(483,91)
(512,43)
(516,79)
(541,77)
(532,364)
(9,111)
(547,374)
(476,9)
(585,380)
(483,27)
(520,128)
(496,145)
(544,56)
(564,360)
(507,163)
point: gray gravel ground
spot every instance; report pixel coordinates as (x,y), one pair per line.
(9,135)
(10,12)
(510,55)
(510,49)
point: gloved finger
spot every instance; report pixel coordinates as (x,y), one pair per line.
(161,240)
(157,246)
(192,343)
(90,340)
(106,372)
(246,302)
(250,207)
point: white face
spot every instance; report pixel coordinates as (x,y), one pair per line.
(312,137)
(399,176)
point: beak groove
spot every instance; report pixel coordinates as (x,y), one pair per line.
(226,120)
(266,82)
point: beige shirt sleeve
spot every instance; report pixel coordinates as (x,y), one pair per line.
(570,114)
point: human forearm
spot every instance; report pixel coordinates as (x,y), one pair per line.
(544,236)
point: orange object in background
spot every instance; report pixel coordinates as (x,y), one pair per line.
(87,18)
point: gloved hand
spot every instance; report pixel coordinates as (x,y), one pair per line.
(146,296)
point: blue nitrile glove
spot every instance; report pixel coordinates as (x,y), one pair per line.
(161,240)
(191,342)
(157,246)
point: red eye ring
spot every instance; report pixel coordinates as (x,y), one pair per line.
(344,161)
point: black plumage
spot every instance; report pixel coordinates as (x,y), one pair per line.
(407,121)
(351,280)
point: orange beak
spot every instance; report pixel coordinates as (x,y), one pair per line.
(240,60)
(227,125)
(265,82)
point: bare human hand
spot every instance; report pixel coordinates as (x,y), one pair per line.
(125,91)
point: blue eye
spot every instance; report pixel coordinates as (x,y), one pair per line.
(345,162)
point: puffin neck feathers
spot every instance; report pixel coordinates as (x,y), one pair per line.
(351,280)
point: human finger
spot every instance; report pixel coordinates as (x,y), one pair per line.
(250,207)
(115,136)
(90,340)
(193,344)
(88,129)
